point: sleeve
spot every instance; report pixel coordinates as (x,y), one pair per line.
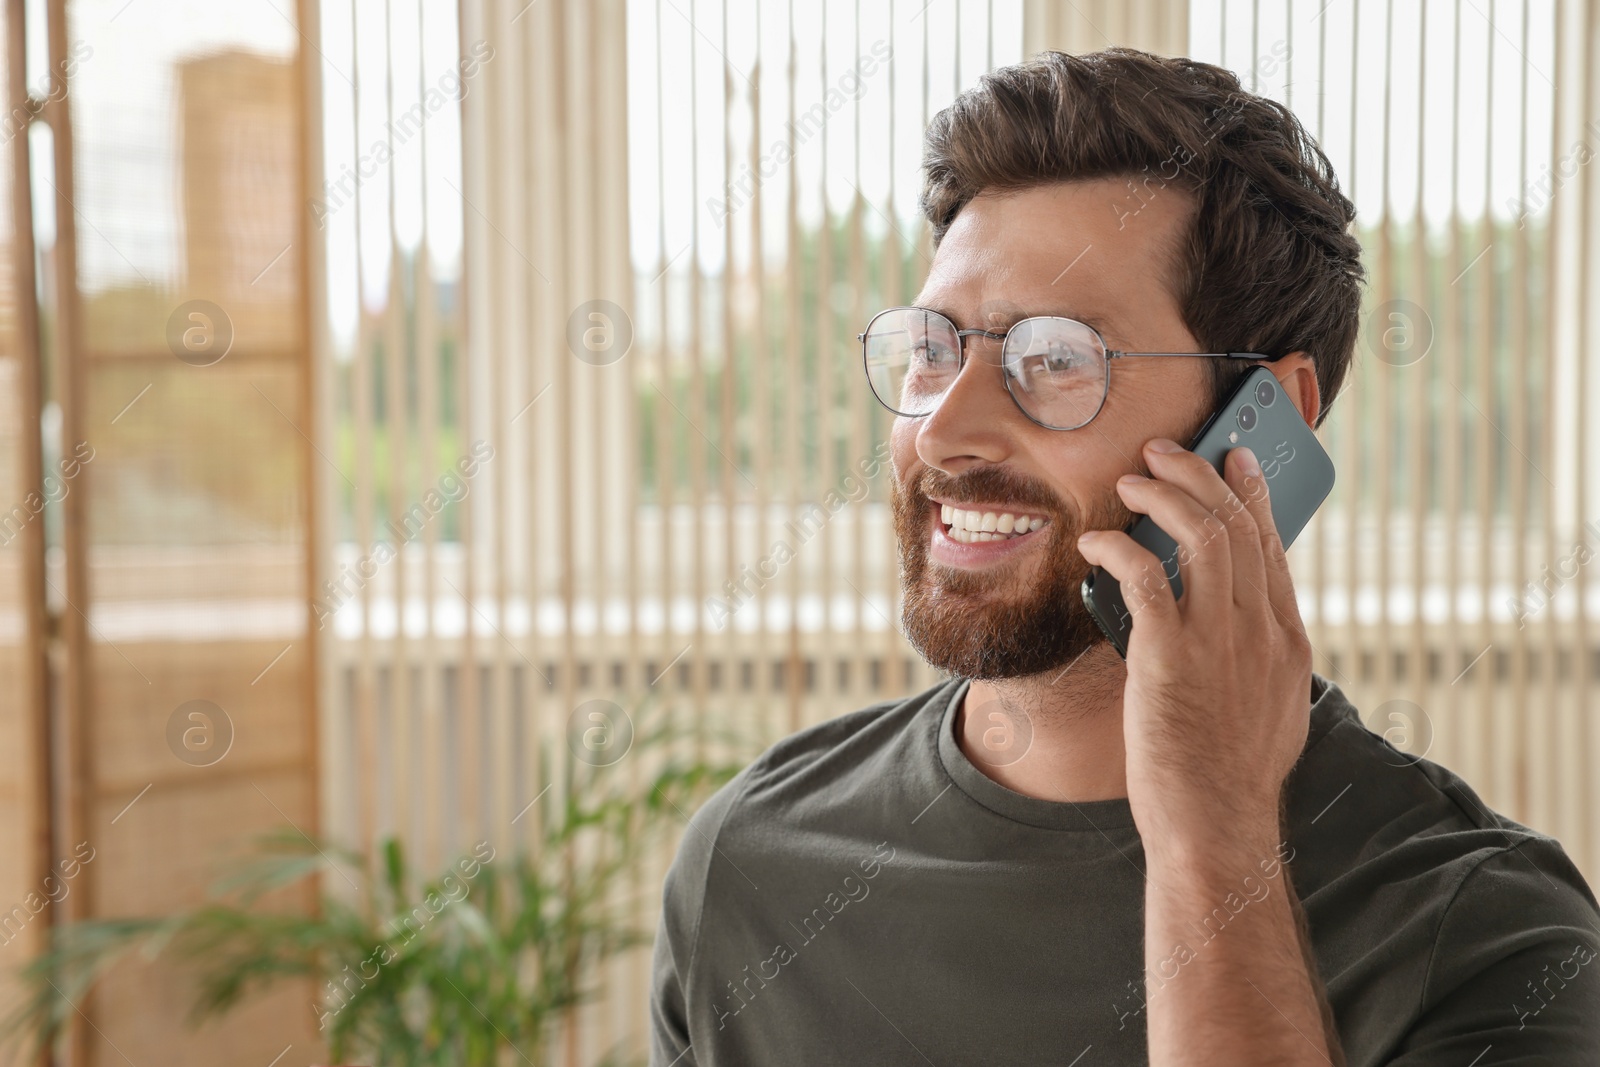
(677,933)
(669,1017)
(1514,977)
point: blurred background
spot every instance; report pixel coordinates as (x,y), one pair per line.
(404,402)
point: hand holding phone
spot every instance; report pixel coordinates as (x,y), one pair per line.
(1298,470)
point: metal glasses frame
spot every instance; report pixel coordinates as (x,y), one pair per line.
(1002,335)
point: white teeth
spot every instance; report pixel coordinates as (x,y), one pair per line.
(970,525)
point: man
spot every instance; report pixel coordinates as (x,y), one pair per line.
(1198,855)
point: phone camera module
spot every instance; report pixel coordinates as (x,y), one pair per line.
(1247,418)
(1266,393)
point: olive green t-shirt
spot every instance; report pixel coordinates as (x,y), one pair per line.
(863,894)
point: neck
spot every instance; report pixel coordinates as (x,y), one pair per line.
(1054,736)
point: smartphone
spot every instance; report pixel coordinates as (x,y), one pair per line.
(1299,478)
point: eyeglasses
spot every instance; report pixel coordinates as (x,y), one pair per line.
(1057,370)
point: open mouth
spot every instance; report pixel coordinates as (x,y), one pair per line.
(972,525)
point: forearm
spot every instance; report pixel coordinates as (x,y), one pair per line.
(1228,977)
(1330,1032)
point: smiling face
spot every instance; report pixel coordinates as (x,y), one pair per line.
(1009,606)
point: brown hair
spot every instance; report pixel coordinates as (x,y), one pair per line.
(1268,264)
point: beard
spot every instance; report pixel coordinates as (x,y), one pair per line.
(1002,622)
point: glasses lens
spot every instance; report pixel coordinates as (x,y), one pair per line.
(1056,369)
(912,356)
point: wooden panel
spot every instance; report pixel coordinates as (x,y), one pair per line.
(184,353)
(25,496)
(247,683)
(194,830)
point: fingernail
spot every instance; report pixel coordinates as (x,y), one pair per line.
(1131,479)
(1247,462)
(1087,536)
(1161,444)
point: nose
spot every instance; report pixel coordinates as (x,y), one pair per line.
(972,422)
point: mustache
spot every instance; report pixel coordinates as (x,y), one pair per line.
(988,483)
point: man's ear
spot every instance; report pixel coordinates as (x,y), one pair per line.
(1297,375)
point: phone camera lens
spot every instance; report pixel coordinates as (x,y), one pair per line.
(1266,393)
(1247,418)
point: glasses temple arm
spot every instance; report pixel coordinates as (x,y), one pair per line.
(1253,356)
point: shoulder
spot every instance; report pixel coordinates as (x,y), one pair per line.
(1356,799)
(845,749)
(1430,911)
(1512,964)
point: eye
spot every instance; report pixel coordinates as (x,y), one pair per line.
(932,354)
(1052,355)
(1062,356)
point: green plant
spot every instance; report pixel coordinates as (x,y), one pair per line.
(478,961)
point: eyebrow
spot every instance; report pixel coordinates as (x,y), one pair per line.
(1113,337)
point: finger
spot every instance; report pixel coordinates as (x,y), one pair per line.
(1254,490)
(1227,515)
(1250,588)
(1202,557)
(1145,589)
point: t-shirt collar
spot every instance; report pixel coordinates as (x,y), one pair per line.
(1328,705)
